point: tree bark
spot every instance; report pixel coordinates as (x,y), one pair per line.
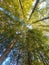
(7,51)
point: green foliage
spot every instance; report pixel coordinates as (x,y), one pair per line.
(31,42)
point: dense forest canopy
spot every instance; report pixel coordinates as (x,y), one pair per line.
(24,32)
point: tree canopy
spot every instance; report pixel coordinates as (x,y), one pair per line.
(24,32)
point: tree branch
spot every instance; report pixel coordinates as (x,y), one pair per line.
(44,25)
(41,19)
(21,8)
(37,1)
(15,18)
(7,51)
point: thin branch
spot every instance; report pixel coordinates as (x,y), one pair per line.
(7,51)
(37,1)
(41,19)
(21,8)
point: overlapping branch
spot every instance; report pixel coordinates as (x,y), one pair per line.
(37,1)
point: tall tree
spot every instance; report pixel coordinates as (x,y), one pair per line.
(29,37)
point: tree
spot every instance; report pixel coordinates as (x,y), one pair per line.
(22,33)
